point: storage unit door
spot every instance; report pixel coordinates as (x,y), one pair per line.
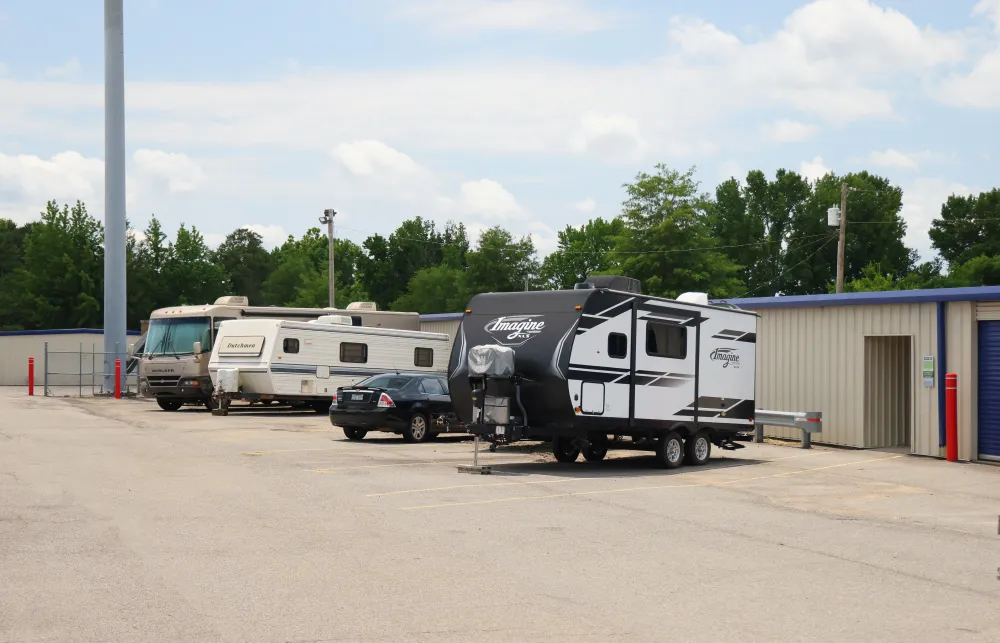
(989,390)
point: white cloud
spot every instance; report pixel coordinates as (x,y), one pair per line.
(489,199)
(788,131)
(272,235)
(27,182)
(922,200)
(614,137)
(586,205)
(908,162)
(814,170)
(469,16)
(178,170)
(980,87)
(990,9)
(367,158)
(732,169)
(68,70)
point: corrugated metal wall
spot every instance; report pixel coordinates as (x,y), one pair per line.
(963,361)
(449,327)
(16,349)
(888,389)
(812,359)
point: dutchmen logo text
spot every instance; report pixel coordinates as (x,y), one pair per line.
(728,357)
(515,330)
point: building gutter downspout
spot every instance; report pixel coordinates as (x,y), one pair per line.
(942,351)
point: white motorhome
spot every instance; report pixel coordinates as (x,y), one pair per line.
(305,361)
(172,366)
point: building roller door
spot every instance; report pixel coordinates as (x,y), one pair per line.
(989,390)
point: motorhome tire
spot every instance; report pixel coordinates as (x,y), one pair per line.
(670,450)
(355,434)
(321,407)
(417,430)
(698,449)
(597,448)
(564,450)
(169,405)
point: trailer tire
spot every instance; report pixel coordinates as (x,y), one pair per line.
(418,430)
(168,404)
(564,450)
(355,435)
(697,449)
(597,449)
(670,450)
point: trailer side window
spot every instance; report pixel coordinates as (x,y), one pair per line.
(290,345)
(356,320)
(665,340)
(353,353)
(423,357)
(617,345)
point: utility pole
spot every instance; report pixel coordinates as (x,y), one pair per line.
(115,346)
(327,218)
(843,237)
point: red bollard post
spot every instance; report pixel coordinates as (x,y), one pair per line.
(31,376)
(118,379)
(951,416)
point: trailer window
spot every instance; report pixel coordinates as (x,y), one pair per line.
(290,345)
(617,346)
(353,353)
(666,340)
(423,357)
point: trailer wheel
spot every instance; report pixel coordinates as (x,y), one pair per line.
(168,404)
(597,449)
(355,434)
(670,450)
(417,430)
(698,449)
(564,450)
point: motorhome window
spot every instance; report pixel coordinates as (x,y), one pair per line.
(177,335)
(432,386)
(617,346)
(665,340)
(290,345)
(217,321)
(353,353)
(423,357)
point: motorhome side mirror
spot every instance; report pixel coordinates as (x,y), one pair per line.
(197,351)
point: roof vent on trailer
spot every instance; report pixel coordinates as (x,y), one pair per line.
(232,300)
(340,320)
(612,282)
(699,298)
(362,305)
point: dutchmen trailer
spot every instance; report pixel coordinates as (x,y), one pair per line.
(173,364)
(580,365)
(303,362)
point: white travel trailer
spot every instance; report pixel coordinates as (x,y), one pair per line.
(305,361)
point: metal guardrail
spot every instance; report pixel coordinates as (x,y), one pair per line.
(91,368)
(808,422)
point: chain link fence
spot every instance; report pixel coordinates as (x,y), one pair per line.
(84,371)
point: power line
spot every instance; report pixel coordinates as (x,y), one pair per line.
(790,268)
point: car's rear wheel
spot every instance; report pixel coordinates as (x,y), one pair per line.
(355,434)
(417,430)
(168,404)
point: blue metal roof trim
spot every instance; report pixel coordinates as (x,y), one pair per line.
(442,317)
(61,331)
(981,293)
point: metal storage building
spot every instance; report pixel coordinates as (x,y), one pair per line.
(16,346)
(860,358)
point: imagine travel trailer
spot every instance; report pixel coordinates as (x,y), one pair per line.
(580,365)
(173,367)
(305,362)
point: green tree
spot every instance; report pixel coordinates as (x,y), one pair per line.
(438,289)
(246,262)
(751,223)
(11,258)
(501,263)
(582,251)
(667,241)
(968,228)
(875,232)
(190,274)
(302,268)
(980,271)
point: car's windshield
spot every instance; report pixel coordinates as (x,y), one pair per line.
(177,336)
(390,382)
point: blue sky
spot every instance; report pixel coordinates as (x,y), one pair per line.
(524,113)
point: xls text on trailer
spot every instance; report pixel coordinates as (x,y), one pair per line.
(578,366)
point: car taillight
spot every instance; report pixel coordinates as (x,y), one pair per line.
(334,398)
(385,402)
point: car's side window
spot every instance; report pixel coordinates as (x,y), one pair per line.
(431,386)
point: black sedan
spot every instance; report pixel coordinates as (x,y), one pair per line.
(415,405)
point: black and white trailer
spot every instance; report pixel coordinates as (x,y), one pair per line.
(594,365)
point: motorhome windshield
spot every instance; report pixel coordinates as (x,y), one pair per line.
(177,336)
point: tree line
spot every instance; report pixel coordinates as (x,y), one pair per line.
(757,237)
